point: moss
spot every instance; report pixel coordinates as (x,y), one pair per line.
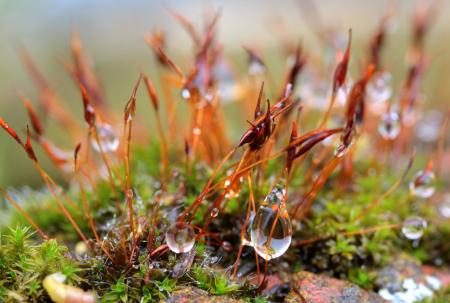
(25,264)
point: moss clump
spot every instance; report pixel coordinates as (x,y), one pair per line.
(24,264)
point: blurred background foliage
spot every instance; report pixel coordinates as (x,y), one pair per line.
(113,35)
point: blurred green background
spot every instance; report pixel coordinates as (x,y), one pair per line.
(112,33)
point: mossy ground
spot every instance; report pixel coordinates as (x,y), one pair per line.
(25,260)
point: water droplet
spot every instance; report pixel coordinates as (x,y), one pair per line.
(378,89)
(444,206)
(227,246)
(271,230)
(427,129)
(186,94)
(413,227)
(256,68)
(390,125)
(107,138)
(196,131)
(180,237)
(341,150)
(214,212)
(423,184)
(276,195)
(129,193)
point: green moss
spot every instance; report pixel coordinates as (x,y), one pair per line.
(24,265)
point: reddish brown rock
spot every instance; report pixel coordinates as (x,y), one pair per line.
(311,288)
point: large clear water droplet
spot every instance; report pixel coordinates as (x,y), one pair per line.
(107,137)
(413,227)
(180,237)
(423,185)
(390,125)
(271,231)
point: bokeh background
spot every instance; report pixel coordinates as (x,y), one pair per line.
(113,35)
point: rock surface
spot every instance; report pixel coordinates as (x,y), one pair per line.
(401,281)
(311,288)
(406,281)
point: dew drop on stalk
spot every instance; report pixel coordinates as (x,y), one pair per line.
(422,185)
(341,150)
(214,212)
(107,137)
(180,237)
(389,127)
(271,231)
(413,227)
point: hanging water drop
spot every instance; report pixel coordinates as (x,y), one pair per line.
(180,237)
(214,212)
(271,231)
(422,185)
(390,125)
(107,137)
(413,227)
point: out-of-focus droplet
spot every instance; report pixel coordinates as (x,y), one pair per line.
(378,89)
(413,227)
(428,128)
(390,125)
(196,131)
(271,231)
(214,212)
(227,246)
(423,184)
(256,68)
(107,137)
(180,237)
(185,94)
(444,206)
